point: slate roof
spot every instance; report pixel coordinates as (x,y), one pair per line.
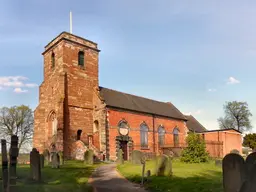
(194,125)
(126,101)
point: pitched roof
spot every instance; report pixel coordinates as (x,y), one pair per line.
(121,100)
(194,125)
(216,130)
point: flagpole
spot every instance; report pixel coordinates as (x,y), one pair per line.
(70,20)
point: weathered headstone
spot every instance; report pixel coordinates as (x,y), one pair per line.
(55,160)
(42,161)
(4,165)
(218,162)
(35,168)
(143,171)
(234,172)
(136,157)
(88,157)
(250,184)
(13,154)
(46,154)
(61,157)
(120,158)
(162,162)
(250,162)
(168,168)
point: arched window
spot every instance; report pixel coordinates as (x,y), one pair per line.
(78,135)
(176,137)
(52,123)
(81,58)
(95,126)
(53,60)
(143,135)
(161,135)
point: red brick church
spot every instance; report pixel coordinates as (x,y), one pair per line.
(76,114)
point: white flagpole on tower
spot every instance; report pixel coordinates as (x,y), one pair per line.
(70,20)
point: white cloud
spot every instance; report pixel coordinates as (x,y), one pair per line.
(232,80)
(212,90)
(19,90)
(16,82)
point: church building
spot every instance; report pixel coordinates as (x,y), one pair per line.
(76,114)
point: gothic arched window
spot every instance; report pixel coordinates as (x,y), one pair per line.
(176,137)
(81,58)
(143,135)
(161,135)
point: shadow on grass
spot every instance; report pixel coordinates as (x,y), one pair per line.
(70,177)
(210,181)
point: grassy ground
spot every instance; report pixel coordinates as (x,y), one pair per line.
(71,177)
(186,177)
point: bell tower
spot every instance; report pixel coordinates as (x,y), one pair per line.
(65,111)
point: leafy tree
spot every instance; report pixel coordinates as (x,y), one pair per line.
(17,120)
(250,140)
(195,152)
(237,116)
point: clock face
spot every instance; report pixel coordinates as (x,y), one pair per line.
(123,131)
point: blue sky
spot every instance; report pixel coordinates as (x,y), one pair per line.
(196,54)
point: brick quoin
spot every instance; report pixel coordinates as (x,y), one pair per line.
(72,115)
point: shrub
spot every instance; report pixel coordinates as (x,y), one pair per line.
(136,157)
(195,151)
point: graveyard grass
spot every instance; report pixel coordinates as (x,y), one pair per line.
(204,177)
(72,176)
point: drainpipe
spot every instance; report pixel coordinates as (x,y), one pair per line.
(154,139)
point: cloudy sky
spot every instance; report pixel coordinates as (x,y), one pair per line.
(196,54)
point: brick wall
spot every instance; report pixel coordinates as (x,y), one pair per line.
(135,120)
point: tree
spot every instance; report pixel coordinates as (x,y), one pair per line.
(17,120)
(237,116)
(250,140)
(195,152)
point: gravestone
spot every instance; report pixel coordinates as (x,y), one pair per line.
(143,162)
(4,166)
(162,162)
(35,168)
(235,151)
(88,157)
(55,160)
(42,161)
(61,157)
(46,154)
(250,162)
(218,162)
(13,154)
(136,157)
(234,172)
(250,184)
(169,166)
(120,158)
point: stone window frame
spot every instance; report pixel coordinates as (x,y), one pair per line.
(94,126)
(80,63)
(52,116)
(53,59)
(144,135)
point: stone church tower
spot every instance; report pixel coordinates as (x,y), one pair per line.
(69,98)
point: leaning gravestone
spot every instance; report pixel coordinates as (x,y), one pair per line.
(234,172)
(42,161)
(61,157)
(88,157)
(169,166)
(55,160)
(137,156)
(162,162)
(120,158)
(4,165)
(46,154)
(13,154)
(35,168)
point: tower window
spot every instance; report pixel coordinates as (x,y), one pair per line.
(53,60)
(79,133)
(176,137)
(81,58)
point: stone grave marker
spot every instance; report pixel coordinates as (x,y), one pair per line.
(41,161)
(136,157)
(169,166)
(46,154)
(61,157)
(250,162)
(162,162)
(218,162)
(35,168)
(143,171)
(13,154)
(120,158)
(234,172)
(4,165)
(88,157)
(250,184)
(55,160)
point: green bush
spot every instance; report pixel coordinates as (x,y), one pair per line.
(195,151)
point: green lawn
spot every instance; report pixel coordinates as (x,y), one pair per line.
(204,177)
(71,177)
